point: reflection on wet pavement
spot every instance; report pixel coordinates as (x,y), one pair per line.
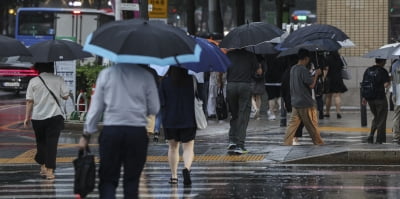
(223,180)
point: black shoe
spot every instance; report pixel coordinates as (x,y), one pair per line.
(321,117)
(231,147)
(186,177)
(155,138)
(370,139)
(240,150)
(326,115)
(339,116)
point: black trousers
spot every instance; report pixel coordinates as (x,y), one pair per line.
(121,146)
(379,109)
(47,133)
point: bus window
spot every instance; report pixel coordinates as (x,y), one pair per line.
(36,23)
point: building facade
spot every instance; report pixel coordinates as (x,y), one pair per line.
(366,22)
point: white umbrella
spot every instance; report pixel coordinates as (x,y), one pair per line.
(387,51)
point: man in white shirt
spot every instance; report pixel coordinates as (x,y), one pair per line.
(126,94)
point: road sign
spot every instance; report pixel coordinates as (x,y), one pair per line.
(130,6)
(159,8)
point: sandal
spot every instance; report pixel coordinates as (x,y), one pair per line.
(173,181)
(50,176)
(43,171)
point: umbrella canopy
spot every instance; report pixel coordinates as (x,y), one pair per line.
(143,42)
(317,31)
(384,53)
(263,48)
(313,46)
(211,58)
(57,50)
(251,34)
(396,51)
(12,47)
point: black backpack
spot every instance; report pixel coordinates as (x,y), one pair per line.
(368,87)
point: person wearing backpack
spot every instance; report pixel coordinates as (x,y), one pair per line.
(373,90)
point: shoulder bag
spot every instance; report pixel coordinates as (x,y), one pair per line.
(201,120)
(52,94)
(346,74)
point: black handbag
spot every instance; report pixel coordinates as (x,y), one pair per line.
(85,173)
(221,109)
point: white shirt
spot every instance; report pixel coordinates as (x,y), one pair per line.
(126,94)
(44,105)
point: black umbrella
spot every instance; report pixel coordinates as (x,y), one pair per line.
(12,47)
(143,42)
(251,34)
(57,50)
(314,46)
(317,31)
(263,48)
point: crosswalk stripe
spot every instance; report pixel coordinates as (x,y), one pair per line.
(153,183)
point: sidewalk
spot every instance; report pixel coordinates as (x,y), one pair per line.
(344,138)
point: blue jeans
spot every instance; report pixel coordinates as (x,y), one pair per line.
(157,125)
(121,146)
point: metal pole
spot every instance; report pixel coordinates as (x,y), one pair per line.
(117,10)
(212,11)
(363,112)
(283,114)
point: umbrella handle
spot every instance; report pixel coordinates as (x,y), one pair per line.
(176,60)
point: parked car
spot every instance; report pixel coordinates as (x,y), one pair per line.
(15,74)
(303,16)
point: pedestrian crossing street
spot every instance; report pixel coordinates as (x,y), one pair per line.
(25,182)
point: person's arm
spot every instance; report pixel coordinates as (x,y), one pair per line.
(315,78)
(28,112)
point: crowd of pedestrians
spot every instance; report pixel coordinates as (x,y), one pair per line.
(306,81)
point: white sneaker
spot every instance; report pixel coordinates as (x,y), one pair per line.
(271,117)
(295,142)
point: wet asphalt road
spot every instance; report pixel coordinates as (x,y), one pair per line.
(262,173)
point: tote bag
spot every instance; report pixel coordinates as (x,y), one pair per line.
(201,120)
(85,173)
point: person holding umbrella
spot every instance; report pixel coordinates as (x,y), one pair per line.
(43,97)
(238,94)
(177,93)
(123,140)
(303,105)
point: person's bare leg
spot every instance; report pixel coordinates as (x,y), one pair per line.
(188,154)
(328,102)
(338,102)
(173,157)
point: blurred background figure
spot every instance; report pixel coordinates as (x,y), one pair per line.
(334,84)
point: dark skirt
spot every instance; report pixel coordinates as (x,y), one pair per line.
(335,86)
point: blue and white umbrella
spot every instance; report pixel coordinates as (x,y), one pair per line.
(143,42)
(211,58)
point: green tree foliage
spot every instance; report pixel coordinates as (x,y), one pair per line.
(86,76)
